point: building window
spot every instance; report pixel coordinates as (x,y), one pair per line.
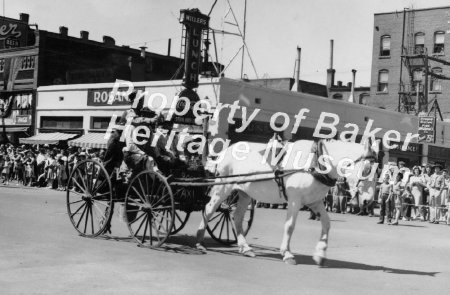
(419,43)
(2,65)
(417,79)
(337,96)
(383,77)
(439,38)
(62,122)
(27,63)
(435,83)
(101,122)
(385,46)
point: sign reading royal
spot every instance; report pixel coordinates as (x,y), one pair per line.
(100,97)
(12,33)
(195,22)
(427,129)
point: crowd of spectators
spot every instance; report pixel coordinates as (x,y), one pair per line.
(419,193)
(43,166)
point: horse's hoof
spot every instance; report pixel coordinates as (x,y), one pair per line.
(290,261)
(249,253)
(200,247)
(320,260)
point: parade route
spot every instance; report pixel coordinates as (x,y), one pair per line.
(43,254)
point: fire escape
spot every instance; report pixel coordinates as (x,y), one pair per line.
(415,70)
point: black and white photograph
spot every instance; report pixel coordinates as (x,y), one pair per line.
(224,147)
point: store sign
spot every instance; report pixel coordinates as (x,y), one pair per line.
(427,129)
(23,120)
(411,148)
(195,22)
(12,34)
(99,97)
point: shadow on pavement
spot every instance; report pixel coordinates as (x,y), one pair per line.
(271,253)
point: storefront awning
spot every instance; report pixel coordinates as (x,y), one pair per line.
(14,129)
(47,138)
(90,140)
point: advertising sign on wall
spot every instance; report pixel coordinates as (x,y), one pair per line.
(99,97)
(12,33)
(427,129)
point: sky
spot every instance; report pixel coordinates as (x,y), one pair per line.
(274,29)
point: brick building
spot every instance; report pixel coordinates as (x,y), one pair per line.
(30,58)
(397,82)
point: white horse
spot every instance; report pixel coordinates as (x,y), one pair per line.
(302,187)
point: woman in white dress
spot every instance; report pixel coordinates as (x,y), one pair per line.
(417,182)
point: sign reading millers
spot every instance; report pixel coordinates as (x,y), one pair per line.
(195,22)
(427,129)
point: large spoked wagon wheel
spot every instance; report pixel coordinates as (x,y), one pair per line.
(221,224)
(149,209)
(89,198)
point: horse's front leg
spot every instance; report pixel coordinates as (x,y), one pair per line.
(321,248)
(289,226)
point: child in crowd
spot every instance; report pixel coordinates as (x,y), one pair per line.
(408,203)
(6,170)
(383,197)
(395,198)
(62,175)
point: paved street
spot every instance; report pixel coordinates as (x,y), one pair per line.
(42,254)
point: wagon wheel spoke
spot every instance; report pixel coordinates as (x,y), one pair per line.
(137,218)
(96,188)
(142,223)
(145,229)
(218,222)
(87,217)
(92,220)
(142,189)
(82,215)
(79,185)
(139,195)
(79,208)
(75,202)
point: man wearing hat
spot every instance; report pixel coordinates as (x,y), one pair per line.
(436,186)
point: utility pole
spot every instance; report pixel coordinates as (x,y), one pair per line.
(243,38)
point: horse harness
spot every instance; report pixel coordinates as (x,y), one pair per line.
(324,178)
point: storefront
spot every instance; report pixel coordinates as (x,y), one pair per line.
(412,156)
(15,115)
(439,155)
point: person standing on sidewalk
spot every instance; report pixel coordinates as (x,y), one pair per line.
(395,198)
(436,186)
(383,197)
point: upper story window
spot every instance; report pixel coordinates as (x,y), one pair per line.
(439,38)
(385,49)
(383,78)
(435,83)
(27,63)
(417,79)
(419,43)
(2,65)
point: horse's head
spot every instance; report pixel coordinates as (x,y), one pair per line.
(363,178)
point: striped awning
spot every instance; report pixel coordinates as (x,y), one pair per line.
(47,138)
(90,140)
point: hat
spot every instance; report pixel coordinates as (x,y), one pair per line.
(401,162)
(82,154)
(132,96)
(437,165)
(416,167)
